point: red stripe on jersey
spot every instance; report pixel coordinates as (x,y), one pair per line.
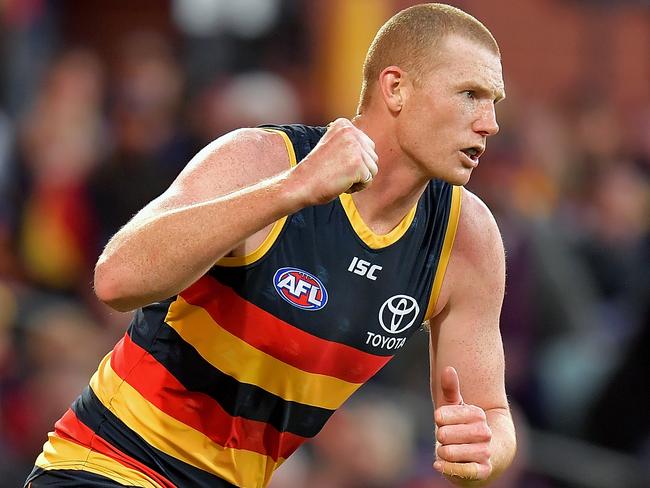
(279,339)
(197,410)
(69,427)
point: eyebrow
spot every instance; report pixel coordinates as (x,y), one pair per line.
(497,94)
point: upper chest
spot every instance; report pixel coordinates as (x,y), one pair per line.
(323,275)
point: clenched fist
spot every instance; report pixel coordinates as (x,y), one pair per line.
(463,435)
(344,160)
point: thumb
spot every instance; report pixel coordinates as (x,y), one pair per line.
(450,386)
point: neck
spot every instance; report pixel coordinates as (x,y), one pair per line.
(398,184)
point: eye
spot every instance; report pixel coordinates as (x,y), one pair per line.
(470,94)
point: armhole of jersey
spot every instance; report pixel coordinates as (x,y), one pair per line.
(262,249)
(447,246)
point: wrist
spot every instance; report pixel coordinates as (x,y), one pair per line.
(296,190)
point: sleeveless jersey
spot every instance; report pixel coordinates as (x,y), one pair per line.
(217,386)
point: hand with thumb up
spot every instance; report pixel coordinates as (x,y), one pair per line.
(463,434)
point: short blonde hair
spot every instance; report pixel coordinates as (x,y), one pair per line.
(408,40)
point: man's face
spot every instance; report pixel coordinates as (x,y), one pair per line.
(448,115)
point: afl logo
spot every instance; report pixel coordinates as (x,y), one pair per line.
(398,313)
(300,289)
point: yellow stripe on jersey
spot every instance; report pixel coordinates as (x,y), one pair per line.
(227,353)
(61,453)
(372,240)
(230,261)
(262,249)
(447,245)
(237,466)
(289,145)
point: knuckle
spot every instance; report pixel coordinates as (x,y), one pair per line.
(346,128)
(351,141)
(485,432)
(482,432)
(484,452)
(480,413)
(485,470)
(477,412)
(348,138)
(340,122)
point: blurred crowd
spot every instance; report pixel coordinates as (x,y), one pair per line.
(89,133)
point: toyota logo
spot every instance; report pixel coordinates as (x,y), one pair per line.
(400,312)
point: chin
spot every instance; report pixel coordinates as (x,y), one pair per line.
(457,178)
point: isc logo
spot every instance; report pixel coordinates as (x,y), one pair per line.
(364,268)
(300,289)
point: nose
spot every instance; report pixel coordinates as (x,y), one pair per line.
(486,122)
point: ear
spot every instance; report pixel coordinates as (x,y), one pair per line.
(392,85)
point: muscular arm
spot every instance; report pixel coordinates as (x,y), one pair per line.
(465,335)
(234,188)
(217,201)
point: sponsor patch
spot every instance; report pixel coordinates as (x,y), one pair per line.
(398,313)
(300,288)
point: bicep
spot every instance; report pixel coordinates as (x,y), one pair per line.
(234,161)
(465,334)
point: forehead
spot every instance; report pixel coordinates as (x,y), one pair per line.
(461,60)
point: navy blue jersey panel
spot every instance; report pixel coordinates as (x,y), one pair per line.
(321,242)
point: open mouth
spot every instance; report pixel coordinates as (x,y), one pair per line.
(473,153)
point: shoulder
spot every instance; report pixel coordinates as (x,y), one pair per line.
(235,160)
(302,137)
(478,239)
(244,146)
(477,262)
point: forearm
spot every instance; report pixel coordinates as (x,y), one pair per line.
(503,446)
(154,257)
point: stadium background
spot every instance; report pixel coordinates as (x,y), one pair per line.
(102,102)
